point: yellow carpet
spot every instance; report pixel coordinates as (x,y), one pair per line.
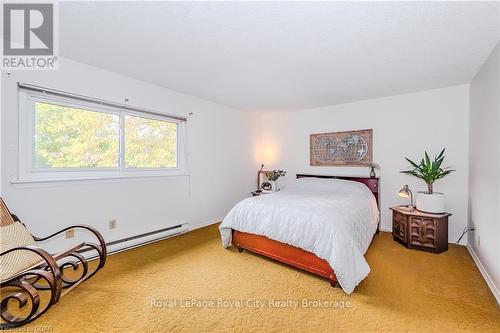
(407,291)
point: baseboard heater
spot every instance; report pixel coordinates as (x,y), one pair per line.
(146,238)
(142,239)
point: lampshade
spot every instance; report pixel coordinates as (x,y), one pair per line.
(404,192)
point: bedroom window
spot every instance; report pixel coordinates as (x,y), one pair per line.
(150,143)
(68,137)
(64,139)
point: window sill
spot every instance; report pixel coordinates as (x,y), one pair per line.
(95,179)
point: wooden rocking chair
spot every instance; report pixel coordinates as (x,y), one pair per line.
(26,269)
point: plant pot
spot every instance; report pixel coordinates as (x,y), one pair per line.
(431,203)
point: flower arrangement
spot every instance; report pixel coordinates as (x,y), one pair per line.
(275,174)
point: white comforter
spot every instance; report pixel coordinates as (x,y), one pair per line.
(334,219)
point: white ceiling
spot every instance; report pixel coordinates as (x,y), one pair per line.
(284,55)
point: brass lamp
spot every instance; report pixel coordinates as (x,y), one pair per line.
(258,179)
(405,192)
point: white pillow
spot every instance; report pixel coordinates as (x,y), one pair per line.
(312,184)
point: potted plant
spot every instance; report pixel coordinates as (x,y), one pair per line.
(273,176)
(429,171)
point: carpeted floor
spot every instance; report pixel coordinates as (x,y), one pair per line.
(151,288)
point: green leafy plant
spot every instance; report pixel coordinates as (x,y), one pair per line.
(275,174)
(429,170)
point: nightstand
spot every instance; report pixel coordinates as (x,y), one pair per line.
(419,230)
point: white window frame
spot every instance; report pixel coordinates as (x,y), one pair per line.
(29,173)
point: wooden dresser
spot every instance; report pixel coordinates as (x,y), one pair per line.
(419,230)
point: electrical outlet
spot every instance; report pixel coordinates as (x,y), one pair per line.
(112,224)
(70,233)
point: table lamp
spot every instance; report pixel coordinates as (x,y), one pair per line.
(258,179)
(405,192)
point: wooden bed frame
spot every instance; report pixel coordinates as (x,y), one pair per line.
(292,255)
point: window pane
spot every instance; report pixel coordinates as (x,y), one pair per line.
(68,137)
(150,143)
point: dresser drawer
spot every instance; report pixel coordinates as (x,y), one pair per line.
(423,232)
(399,230)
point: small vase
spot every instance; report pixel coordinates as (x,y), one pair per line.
(274,185)
(372,173)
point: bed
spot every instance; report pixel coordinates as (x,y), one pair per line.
(320,224)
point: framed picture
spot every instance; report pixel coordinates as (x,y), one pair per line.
(349,148)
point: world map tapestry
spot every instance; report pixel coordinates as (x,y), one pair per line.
(350,148)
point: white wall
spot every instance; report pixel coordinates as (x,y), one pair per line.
(403,125)
(226,145)
(484,169)
(221,167)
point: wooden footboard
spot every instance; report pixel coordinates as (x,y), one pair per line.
(284,253)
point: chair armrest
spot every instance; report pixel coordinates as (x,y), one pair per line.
(79,226)
(37,271)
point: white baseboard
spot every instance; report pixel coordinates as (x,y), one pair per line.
(384,229)
(485,274)
(203,225)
